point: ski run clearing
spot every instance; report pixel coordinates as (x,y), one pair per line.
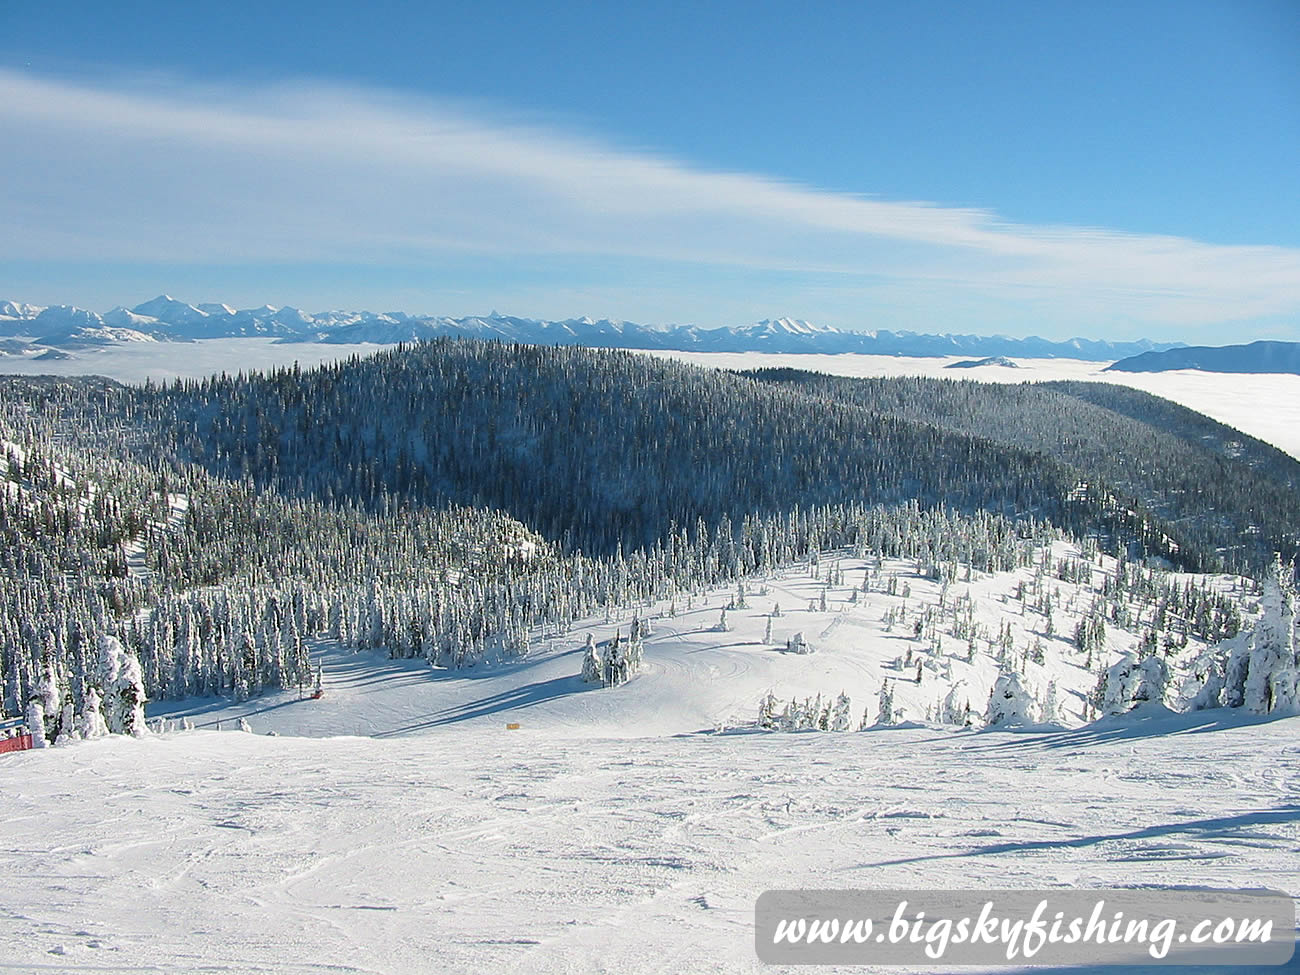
(398,825)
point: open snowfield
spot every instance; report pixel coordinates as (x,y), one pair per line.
(699,679)
(617,830)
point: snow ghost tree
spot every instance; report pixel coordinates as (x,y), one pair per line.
(68,723)
(885,712)
(90,723)
(955,708)
(47,692)
(1132,684)
(1009,702)
(797,644)
(1272,678)
(841,714)
(1051,706)
(1203,682)
(591,664)
(36,721)
(123,688)
(633,658)
(613,664)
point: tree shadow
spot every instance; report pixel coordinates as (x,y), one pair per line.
(1156,723)
(516,698)
(1220,826)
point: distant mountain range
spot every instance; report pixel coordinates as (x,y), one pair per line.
(1257,357)
(164,319)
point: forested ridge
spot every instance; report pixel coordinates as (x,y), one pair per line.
(596,449)
(1228,500)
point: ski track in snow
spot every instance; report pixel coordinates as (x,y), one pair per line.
(480,849)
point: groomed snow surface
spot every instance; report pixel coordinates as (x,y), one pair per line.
(620,830)
(478,849)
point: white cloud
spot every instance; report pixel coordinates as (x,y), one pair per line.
(304,173)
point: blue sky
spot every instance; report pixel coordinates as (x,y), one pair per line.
(1109,170)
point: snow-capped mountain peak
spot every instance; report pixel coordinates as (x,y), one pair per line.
(59,317)
(167,309)
(19,310)
(121,317)
(166,317)
(791,326)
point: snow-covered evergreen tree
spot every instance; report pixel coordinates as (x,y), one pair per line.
(842,714)
(885,708)
(954,708)
(591,662)
(797,644)
(1131,684)
(124,696)
(1273,672)
(90,720)
(36,722)
(68,730)
(1009,702)
(48,692)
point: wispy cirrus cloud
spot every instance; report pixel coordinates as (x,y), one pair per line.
(314,172)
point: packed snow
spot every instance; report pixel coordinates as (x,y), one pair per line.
(484,849)
(399,823)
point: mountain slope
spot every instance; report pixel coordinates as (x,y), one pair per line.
(1218,490)
(1257,357)
(597,448)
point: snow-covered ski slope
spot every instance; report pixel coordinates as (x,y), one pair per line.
(480,849)
(698,678)
(616,830)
